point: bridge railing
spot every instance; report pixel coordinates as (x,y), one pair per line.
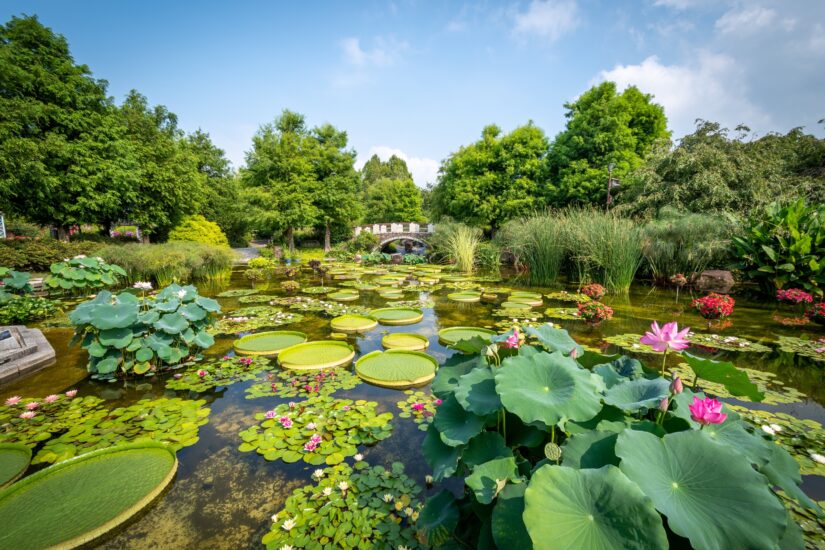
(395,228)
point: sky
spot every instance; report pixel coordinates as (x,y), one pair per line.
(419,79)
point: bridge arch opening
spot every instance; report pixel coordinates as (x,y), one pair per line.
(403,245)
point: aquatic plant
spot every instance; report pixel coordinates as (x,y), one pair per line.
(316,355)
(328,309)
(251,318)
(537,242)
(290,286)
(564,296)
(20,310)
(286,383)
(462,244)
(594,291)
(125,334)
(322,430)
(349,507)
(14,282)
(714,306)
(812,349)
(50,417)
(218,372)
(167,263)
(419,406)
(542,441)
(772,390)
(268,343)
(14,461)
(594,313)
(396,368)
(395,316)
(665,339)
(563,313)
(254,299)
(817,313)
(237,292)
(82,274)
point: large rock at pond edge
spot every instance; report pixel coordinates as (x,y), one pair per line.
(397,259)
(714,280)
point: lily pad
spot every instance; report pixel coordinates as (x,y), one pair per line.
(318,289)
(564,296)
(419,406)
(214,373)
(516,306)
(563,313)
(252,318)
(352,324)
(323,354)
(405,340)
(396,368)
(290,383)
(529,298)
(630,342)
(727,343)
(397,315)
(767,383)
(590,509)
(100,490)
(268,343)
(237,292)
(465,296)
(14,459)
(449,336)
(812,349)
(344,295)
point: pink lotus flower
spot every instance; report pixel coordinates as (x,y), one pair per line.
(666,338)
(226,358)
(201,373)
(664,404)
(71,393)
(437,402)
(28,415)
(51,398)
(269,414)
(13,400)
(707,411)
(512,340)
(32,406)
(676,386)
(418,406)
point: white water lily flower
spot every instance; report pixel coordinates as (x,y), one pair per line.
(327,491)
(768,430)
(359,457)
(274,518)
(181,293)
(408,511)
(288,524)
(388,497)
(79,256)
(343,486)
(318,474)
(428,479)
(286,547)
(636,346)
(816,457)
(142,285)
(776,427)
(402,547)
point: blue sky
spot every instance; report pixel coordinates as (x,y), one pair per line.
(421,78)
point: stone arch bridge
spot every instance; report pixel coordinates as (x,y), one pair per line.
(388,232)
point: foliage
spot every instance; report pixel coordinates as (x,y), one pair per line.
(321,430)
(328,309)
(389,200)
(214,373)
(414,259)
(812,349)
(290,286)
(536,242)
(17,310)
(125,334)
(773,390)
(594,313)
(39,254)
(782,246)
(237,292)
(251,318)
(374,258)
(420,407)
(169,263)
(375,169)
(794,296)
(304,384)
(497,178)
(714,306)
(364,242)
(677,242)
(534,417)
(817,313)
(349,508)
(49,416)
(594,291)
(461,244)
(603,127)
(198,229)
(564,296)
(82,274)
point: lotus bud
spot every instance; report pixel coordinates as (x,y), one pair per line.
(664,404)
(428,479)
(676,386)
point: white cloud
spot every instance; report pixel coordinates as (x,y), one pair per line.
(749,20)
(550,19)
(675,4)
(712,88)
(384,53)
(423,170)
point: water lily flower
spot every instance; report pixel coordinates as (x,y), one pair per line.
(327,491)
(286,547)
(71,393)
(292,404)
(408,511)
(768,429)
(269,415)
(343,486)
(79,256)
(28,415)
(418,406)
(388,498)
(285,421)
(225,358)
(345,408)
(181,293)
(706,411)
(318,474)
(14,400)
(665,339)
(676,386)
(358,457)
(315,438)
(142,285)
(32,406)
(288,524)
(51,398)
(816,457)
(310,446)
(274,518)
(202,373)
(311,426)
(428,479)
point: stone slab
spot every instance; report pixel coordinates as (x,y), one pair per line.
(26,352)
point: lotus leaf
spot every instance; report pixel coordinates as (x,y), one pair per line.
(442,458)
(14,460)
(618,371)
(117,338)
(547,388)
(476,392)
(405,340)
(351,324)
(700,485)
(304,384)
(452,335)
(485,447)
(590,449)
(507,525)
(599,509)
(812,349)
(456,426)
(82,273)
(323,354)
(447,376)
(555,339)
(396,368)
(489,478)
(420,407)
(638,395)
(341,424)
(439,518)
(218,372)
(268,343)
(734,380)
(397,315)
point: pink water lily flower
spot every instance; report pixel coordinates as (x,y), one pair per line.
(418,406)
(28,415)
(71,393)
(269,414)
(706,411)
(14,400)
(51,398)
(32,406)
(669,337)
(310,446)
(201,373)
(437,402)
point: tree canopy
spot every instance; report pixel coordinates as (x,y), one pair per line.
(374,169)
(393,200)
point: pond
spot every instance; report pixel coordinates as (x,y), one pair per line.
(224,498)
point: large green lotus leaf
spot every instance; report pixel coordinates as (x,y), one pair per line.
(520,434)
(95,349)
(14,459)
(484,447)
(167,306)
(590,509)
(734,433)
(547,387)
(203,339)
(120,315)
(471,346)
(506,522)
(117,338)
(591,449)
(735,381)
(456,425)
(144,354)
(172,323)
(638,395)
(210,305)
(107,365)
(709,492)
(447,376)
(439,518)
(590,359)
(488,479)
(148,317)
(476,392)
(193,312)
(782,470)
(555,339)
(443,459)
(620,370)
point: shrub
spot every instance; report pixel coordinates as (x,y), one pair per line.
(374,258)
(364,242)
(817,313)
(166,263)
(414,259)
(290,286)
(24,309)
(794,296)
(125,334)
(198,229)
(83,273)
(714,306)
(15,282)
(594,313)
(594,291)
(38,254)
(488,256)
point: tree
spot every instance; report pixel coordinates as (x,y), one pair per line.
(374,169)
(494,179)
(393,200)
(603,127)
(280,177)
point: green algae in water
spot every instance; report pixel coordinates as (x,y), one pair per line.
(303,384)
(420,407)
(563,313)
(237,292)
(219,372)
(812,349)
(339,426)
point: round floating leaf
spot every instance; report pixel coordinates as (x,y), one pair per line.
(638,395)
(397,315)
(452,335)
(405,340)
(465,296)
(735,381)
(353,323)
(289,383)
(489,478)
(324,354)
(456,425)
(14,459)
(268,343)
(516,305)
(701,486)
(547,387)
(594,509)
(98,492)
(476,392)
(344,296)
(396,368)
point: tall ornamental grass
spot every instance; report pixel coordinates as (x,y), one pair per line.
(167,263)
(537,242)
(462,245)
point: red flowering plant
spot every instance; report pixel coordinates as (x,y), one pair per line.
(594,291)
(714,306)
(817,313)
(594,313)
(794,296)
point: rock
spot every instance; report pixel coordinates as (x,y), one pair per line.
(714,280)
(397,259)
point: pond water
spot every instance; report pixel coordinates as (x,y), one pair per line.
(223,498)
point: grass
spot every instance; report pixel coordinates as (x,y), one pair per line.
(462,244)
(538,243)
(167,263)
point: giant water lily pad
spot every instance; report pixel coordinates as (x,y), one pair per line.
(812,349)
(564,296)
(397,315)
(339,426)
(14,459)
(98,492)
(252,318)
(396,368)
(465,296)
(590,509)
(324,354)
(351,324)
(405,340)
(547,387)
(218,372)
(344,295)
(236,293)
(289,383)
(450,336)
(268,343)
(700,486)
(529,298)
(516,306)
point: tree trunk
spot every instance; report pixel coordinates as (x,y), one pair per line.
(327,239)
(290,237)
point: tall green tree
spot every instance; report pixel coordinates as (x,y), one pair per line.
(395,168)
(494,179)
(603,127)
(393,200)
